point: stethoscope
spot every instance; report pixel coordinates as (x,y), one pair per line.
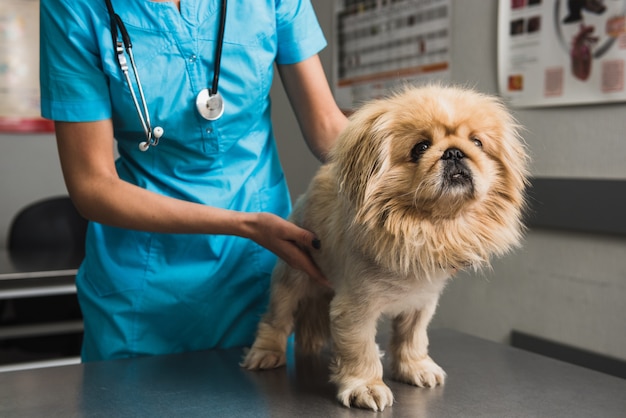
(209,102)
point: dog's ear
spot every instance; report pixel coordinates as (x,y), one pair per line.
(358,154)
(513,157)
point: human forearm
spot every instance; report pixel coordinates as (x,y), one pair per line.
(124,205)
(87,160)
(117,203)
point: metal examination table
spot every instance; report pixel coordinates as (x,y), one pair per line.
(485,379)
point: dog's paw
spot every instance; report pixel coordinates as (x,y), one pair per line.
(373,395)
(260,359)
(424,373)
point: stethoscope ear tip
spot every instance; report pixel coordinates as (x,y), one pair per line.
(143,146)
(157,132)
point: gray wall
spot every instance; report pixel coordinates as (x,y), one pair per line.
(563,286)
(29,171)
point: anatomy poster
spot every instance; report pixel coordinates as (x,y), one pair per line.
(19,67)
(383,44)
(561,52)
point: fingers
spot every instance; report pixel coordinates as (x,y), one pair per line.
(309,240)
(307,243)
(303,260)
(291,243)
(314,272)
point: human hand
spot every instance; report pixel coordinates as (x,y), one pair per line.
(288,241)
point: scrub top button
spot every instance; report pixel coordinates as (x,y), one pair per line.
(193,58)
(209,130)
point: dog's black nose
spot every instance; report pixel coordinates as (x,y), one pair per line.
(453,154)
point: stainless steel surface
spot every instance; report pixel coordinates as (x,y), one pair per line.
(36,274)
(37,330)
(484,380)
(39,364)
(34,265)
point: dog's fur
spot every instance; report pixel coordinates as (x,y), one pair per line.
(420,184)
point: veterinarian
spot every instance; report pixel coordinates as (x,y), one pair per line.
(187,221)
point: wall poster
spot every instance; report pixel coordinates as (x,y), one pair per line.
(383,44)
(561,52)
(19,68)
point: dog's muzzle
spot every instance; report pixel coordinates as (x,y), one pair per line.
(455,170)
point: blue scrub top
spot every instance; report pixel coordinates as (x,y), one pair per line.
(147,293)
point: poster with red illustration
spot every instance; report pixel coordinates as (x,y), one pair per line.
(19,68)
(561,52)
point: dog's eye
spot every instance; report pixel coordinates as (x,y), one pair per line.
(477,142)
(419,149)
(422,146)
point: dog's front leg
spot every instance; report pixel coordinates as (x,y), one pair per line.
(357,370)
(409,349)
(270,345)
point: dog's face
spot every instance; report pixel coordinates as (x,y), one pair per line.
(448,157)
(434,151)
(448,149)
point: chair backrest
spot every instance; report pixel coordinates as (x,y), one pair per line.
(51,224)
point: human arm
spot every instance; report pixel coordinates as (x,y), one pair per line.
(309,93)
(87,160)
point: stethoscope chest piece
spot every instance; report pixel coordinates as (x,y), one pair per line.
(210,106)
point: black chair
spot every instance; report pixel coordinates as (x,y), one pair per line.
(48,234)
(49,226)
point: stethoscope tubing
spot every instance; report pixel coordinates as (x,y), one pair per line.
(117,26)
(145,121)
(218,49)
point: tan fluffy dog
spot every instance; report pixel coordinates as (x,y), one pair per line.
(419,185)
